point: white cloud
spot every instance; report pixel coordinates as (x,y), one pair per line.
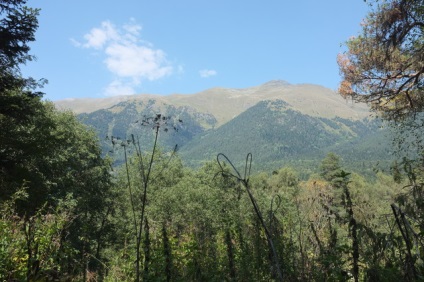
(127,57)
(207,73)
(117,88)
(132,28)
(98,37)
(75,42)
(131,60)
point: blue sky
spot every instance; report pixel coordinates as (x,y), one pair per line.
(100,48)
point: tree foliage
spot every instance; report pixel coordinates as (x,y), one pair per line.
(18,24)
(63,216)
(18,102)
(330,167)
(384,64)
(59,224)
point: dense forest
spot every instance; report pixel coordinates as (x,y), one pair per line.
(68,214)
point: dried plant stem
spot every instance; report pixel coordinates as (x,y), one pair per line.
(245,182)
(143,201)
(130,190)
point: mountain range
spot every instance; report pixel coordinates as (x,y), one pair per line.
(279,123)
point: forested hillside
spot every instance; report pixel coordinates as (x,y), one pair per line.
(148,190)
(277,135)
(272,130)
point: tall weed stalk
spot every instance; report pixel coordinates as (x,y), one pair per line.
(157,123)
(245,182)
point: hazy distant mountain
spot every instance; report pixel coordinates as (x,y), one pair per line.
(226,103)
(278,122)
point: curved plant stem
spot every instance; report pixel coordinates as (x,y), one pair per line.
(245,182)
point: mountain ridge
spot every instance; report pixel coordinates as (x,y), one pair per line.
(227,103)
(280,123)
